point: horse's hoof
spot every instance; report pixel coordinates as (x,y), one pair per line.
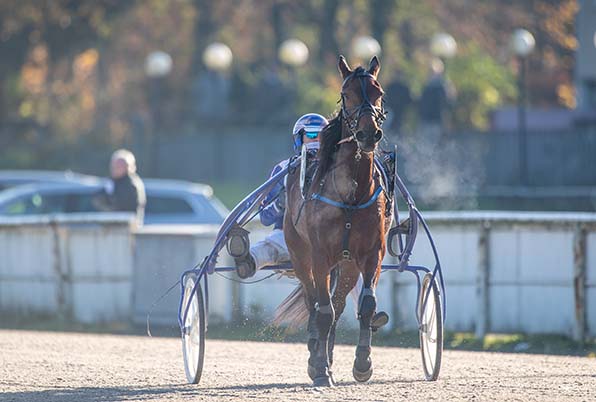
(324,381)
(362,376)
(379,320)
(312,372)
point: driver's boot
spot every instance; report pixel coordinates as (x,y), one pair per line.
(245,266)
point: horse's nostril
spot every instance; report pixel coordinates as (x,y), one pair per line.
(378,135)
(360,135)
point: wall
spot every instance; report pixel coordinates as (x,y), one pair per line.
(504,271)
(77,266)
(162,253)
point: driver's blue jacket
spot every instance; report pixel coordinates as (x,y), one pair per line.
(273,213)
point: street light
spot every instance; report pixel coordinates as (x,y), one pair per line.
(443,45)
(158,65)
(293,52)
(211,89)
(522,43)
(365,47)
(218,57)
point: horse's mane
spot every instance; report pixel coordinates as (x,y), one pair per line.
(330,136)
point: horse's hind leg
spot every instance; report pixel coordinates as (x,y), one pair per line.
(363,369)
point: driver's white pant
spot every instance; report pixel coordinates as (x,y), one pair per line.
(271,251)
(274,251)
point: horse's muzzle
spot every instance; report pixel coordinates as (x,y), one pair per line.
(363,137)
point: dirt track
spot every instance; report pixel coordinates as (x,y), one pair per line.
(43,366)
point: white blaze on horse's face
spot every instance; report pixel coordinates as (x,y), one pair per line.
(362,103)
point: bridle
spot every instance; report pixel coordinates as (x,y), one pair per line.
(352,116)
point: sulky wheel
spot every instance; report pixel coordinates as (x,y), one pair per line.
(193,333)
(431,328)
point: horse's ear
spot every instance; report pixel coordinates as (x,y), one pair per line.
(374,66)
(343,67)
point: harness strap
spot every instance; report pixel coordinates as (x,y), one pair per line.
(349,210)
(345,242)
(317,196)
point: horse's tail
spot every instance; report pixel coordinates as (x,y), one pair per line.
(292,311)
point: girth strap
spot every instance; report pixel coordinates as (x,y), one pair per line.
(345,242)
(348,210)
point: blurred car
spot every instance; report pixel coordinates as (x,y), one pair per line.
(11,178)
(168,201)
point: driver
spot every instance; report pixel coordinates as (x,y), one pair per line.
(273,250)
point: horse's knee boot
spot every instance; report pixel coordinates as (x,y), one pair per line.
(312,345)
(324,319)
(362,370)
(368,306)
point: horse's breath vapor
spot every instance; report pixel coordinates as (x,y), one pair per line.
(445,173)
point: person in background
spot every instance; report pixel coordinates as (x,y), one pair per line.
(125,192)
(399,100)
(436,99)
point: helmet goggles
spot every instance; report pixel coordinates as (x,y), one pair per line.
(309,134)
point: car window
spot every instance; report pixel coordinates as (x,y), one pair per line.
(206,211)
(35,204)
(84,203)
(167,205)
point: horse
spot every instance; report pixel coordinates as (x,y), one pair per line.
(338,231)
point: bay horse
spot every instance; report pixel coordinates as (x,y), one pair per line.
(337,231)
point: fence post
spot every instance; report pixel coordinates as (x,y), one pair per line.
(579,283)
(482,282)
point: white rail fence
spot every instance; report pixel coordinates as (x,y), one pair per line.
(504,271)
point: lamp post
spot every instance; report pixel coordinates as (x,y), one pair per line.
(158,65)
(522,44)
(212,95)
(365,47)
(293,53)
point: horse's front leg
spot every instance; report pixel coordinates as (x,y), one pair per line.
(367,306)
(313,340)
(346,280)
(324,319)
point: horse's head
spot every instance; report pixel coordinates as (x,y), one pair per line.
(362,103)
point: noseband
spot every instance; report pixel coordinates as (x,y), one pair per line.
(352,116)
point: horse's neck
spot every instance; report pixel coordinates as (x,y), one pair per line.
(352,177)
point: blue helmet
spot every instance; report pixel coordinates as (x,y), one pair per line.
(310,123)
